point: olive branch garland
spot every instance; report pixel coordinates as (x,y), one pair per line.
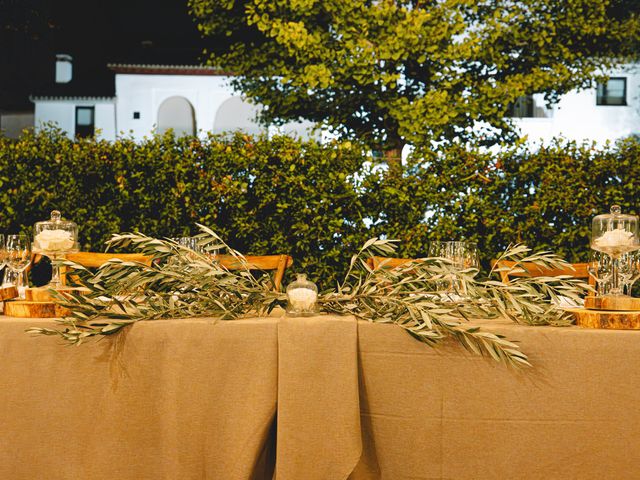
(430,298)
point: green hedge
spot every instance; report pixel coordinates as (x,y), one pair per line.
(317,202)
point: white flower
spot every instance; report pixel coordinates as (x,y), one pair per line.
(615,238)
(54,241)
(302,299)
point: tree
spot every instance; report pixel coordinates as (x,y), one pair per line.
(391,72)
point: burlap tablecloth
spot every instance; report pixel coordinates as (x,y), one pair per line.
(445,414)
(171,399)
(318,406)
(196,399)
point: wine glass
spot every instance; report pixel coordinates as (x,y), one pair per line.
(461,256)
(601,269)
(629,266)
(18,250)
(3,256)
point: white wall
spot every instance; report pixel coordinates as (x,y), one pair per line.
(577,117)
(145,93)
(63,113)
(13,123)
(105,118)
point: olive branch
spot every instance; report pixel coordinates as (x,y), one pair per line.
(430,298)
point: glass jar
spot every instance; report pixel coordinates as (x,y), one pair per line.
(55,238)
(615,234)
(302,296)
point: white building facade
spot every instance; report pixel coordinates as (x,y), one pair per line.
(607,112)
(195,100)
(190,100)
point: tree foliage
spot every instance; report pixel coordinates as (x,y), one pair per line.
(318,203)
(394,71)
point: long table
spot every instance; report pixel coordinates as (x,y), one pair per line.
(315,398)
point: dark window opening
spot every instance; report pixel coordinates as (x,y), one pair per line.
(523,107)
(613,92)
(136,115)
(85,121)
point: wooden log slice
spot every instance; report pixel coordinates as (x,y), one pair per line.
(616,320)
(621,302)
(44,294)
(7,293)
(30,309)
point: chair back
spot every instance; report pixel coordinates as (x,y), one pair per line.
(528,269)
(267,263)
(387,262)
(276,263)
(96,260)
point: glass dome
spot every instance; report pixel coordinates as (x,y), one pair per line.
(301,296)
(615,234)
(54,238)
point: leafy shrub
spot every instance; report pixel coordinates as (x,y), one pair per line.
(318,203)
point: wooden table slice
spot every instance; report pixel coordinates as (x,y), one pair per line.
(44,294)
(31,309)
(618,302)
(607,319)
(7,293)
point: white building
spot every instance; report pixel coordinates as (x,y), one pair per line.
(606,112)
(153,98)
(196,100)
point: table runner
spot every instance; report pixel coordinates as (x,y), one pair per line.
(195,399)
(318,405)
(171,399)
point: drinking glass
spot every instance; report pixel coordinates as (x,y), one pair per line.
(461,256)
(7,274)
(3,255)
(629,267)
(18,249)
(192,244)
(601,269)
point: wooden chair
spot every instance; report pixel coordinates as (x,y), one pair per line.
(580,271)
(387,262)
(276,263)
(96,260)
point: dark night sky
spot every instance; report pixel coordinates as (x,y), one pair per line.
(94,33)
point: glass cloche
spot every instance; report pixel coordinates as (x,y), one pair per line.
(301,296)
(55,238)
(615,234)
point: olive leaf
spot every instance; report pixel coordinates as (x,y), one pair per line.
(430,298)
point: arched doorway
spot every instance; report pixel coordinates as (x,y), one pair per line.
(237,114)
(178,114)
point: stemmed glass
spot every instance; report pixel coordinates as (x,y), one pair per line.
(601,269)
(3,255)
(462,256)
(192,244)
(629,265)
(18,248)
